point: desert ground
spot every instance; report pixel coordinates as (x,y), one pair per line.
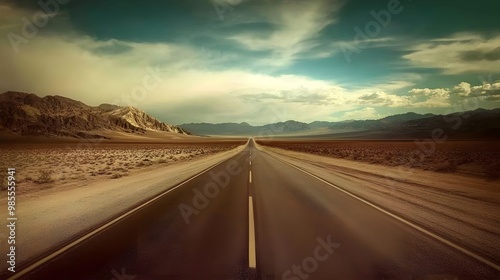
(476,158)
(63,165)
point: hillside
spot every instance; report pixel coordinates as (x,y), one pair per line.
(30,115)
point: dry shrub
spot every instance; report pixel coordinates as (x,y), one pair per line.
(493,171)
(44,177)
(447,166)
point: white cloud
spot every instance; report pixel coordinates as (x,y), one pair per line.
(462,89)
(78,68)
(297,24)
(428,98)
(465,89)
(95,72)
(362,114)
(381,98)
(427,92)
(462,53)
(442,97)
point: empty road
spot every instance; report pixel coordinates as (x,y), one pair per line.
(256,217)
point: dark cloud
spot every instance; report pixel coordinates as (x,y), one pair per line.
(493,98)
(492,55)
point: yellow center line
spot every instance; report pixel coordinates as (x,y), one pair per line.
(252,259)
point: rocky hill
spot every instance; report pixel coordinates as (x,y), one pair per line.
(29,114)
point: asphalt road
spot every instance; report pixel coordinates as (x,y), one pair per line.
(255,217)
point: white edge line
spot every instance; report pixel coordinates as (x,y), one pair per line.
(106,225)
(435,236)
(252,259)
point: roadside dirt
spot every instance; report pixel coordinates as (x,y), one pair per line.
(50,216)
(462,208)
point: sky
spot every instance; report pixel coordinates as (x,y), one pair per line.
(256,61)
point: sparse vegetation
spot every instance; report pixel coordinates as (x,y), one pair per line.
(493,171)
(480,158)
(46,163)
(44,177)
(118,175)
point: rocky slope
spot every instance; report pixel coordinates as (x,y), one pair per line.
(29,114)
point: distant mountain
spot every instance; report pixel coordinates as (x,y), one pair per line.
(285,127)
(220,128)
(293,127)
(400,118)
(245,128)
(29,114)
(478,123)
(384,123)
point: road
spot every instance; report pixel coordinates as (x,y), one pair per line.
(256,217)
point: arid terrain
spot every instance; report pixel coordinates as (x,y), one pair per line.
(94,182)
(477,158)
(459,206)
(44,166)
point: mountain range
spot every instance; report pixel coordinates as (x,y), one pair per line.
(30,115)
(27,114)
(478,123)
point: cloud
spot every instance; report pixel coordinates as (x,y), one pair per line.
(442,97)
(381,98)
(493,98)
(458,54)
(362,114)
(307,91)
(10,17)
(465,89)
(215,84)
(109,71)
(479,55)
(462,89)
(227,2)
(434,93)
(429,98)
(296,25)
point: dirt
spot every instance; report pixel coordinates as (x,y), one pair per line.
(477,158)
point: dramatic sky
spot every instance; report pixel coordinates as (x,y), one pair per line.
(258,61)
